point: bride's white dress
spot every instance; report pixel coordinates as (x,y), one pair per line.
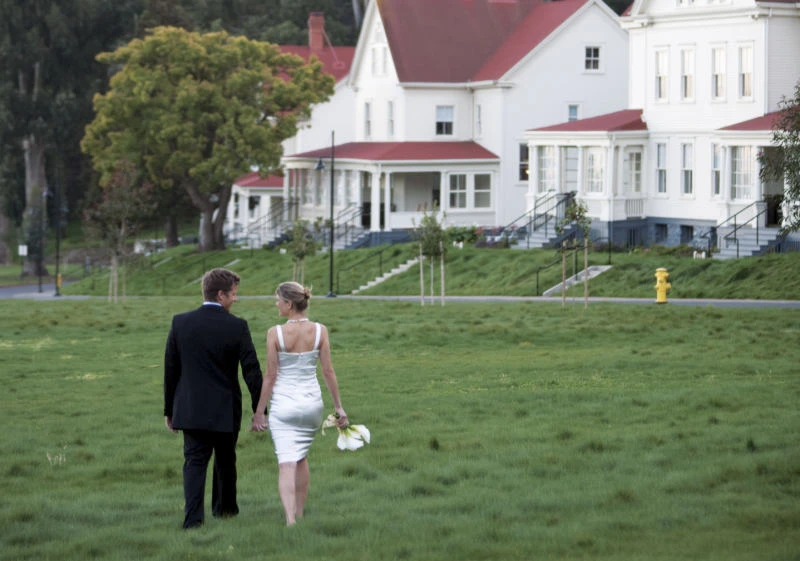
(296,408)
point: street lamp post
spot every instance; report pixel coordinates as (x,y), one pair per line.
(331,293)
(58,238)
(40,257)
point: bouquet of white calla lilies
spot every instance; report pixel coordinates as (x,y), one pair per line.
(352,437)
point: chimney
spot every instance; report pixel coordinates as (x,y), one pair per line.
(316,31)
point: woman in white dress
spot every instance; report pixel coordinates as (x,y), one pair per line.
(293,393)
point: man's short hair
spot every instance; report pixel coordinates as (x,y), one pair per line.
(216,280)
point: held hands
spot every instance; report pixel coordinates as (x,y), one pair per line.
(260,422)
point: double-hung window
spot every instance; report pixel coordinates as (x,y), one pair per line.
(716,169)
(458,190)
(478,121)
(741,172)
(661,168)
(390,119)
(594,169)
(482,194)
(718,73)
(687,167)
(591,61)
(687,74)
(524,164)
(367,120)
(444,120)
(546,168)
(633,171)
(661,75)
(572,112)
(745,71)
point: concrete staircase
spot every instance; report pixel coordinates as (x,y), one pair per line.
(577,279)
(396,271)
(750,242)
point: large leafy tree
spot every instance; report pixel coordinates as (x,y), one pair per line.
(47,76)
(784,163)
(197,110)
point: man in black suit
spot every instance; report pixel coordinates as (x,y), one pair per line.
(202,396)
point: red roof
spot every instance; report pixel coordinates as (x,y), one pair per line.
(540,22)
(626,120)
(764,123)
(252,179)
(402,151)
(466,40)
(335,61)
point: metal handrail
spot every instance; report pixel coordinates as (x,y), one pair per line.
(539,216)
(736,227)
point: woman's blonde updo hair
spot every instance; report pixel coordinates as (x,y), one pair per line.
(295,293)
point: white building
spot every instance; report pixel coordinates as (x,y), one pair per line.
(681,166)
(434,110)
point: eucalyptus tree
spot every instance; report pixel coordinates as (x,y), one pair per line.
(198,110)
(47,77)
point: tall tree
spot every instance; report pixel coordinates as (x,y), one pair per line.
(198,110)
(47,76)
(784,163)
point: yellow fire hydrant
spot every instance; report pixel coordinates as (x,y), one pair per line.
(662,285)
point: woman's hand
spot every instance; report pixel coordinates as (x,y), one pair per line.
(260,423)
(341,418)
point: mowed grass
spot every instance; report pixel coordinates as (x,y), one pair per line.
(507,431)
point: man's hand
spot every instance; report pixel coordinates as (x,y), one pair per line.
(168,422)
(260,423)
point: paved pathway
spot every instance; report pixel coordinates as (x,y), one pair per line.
(31,292)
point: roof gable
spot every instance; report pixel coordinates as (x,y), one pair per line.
(539,24)
(446,41)
(335,61)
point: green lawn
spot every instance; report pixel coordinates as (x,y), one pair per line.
(500,431)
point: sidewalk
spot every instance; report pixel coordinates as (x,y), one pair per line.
(31,292)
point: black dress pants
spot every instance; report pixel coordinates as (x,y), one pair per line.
(198,445)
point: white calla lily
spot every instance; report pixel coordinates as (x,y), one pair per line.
(352,437)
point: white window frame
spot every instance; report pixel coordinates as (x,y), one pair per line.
(741,172)
(744,78)
(661,168)
(478,121)
(390,118)
(718,72)
(457,192)
(442,121)
(633,170)
(545,168)
(593,58)
(594,169)
(687,74)
(524,162)
(687,169)
(367,119)
(576,113)
(717,156)
(476,192)
(662,76)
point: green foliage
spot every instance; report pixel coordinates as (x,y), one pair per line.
(195,111)
(463,234)
(783,163)
(431,236)
(576,213)
(517,440)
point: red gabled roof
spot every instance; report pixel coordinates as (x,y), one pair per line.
(335,61)
(540,22)
(466,40)
(764,123)
(403,151)
(626,120)
(252,179)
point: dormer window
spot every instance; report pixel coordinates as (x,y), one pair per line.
(444,120)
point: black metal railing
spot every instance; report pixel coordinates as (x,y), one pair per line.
(543,217)
(733,234)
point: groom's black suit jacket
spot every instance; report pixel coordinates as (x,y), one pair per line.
(201,364)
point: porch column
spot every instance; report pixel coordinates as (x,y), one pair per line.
(557,172)
(581,188)
(727,184)
(387,201)
(533,170)
(758,185)
(375,203)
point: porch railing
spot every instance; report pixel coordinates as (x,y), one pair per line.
(740,220)
(541,218)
